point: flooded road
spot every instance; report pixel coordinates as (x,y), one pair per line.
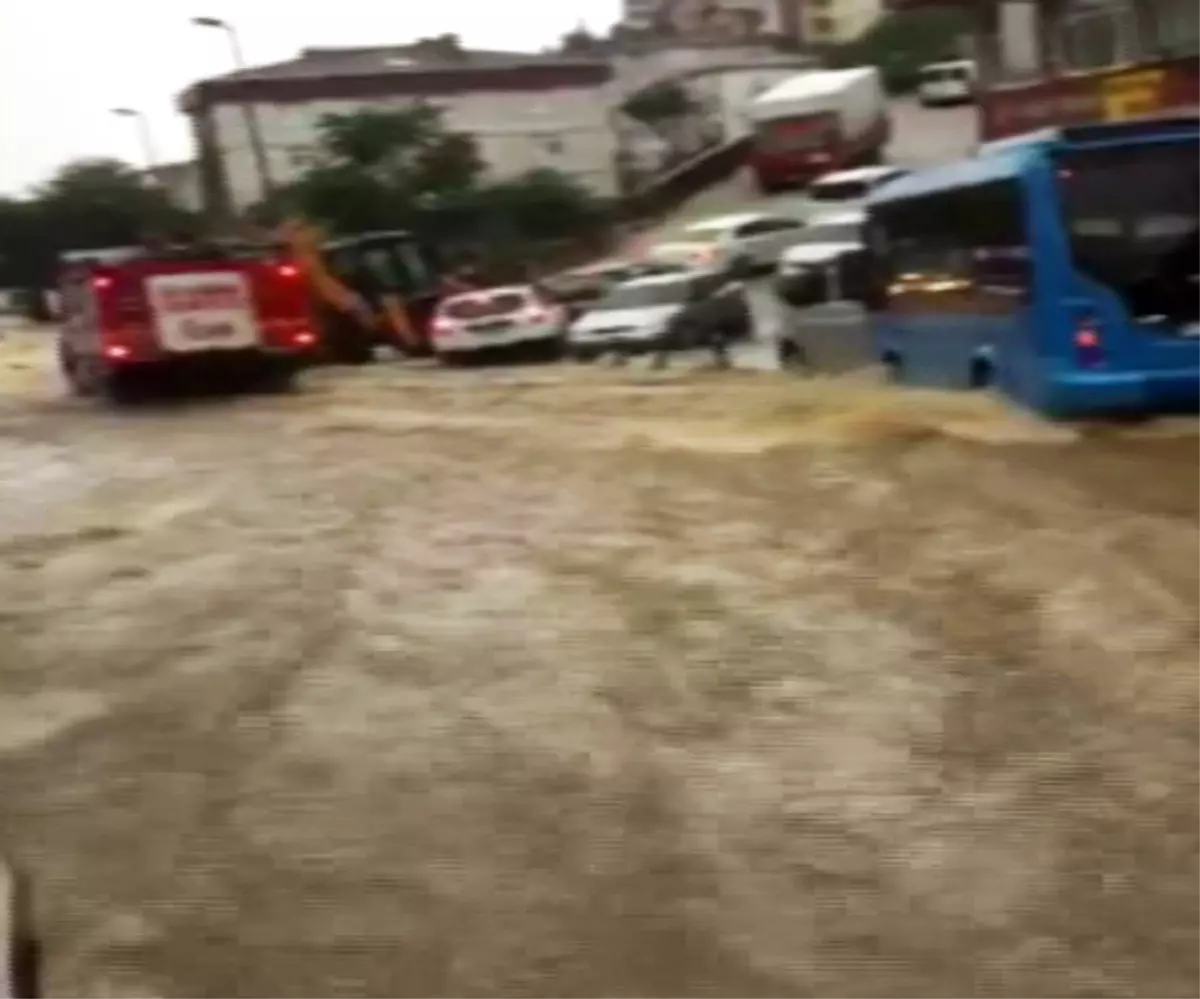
(583,682)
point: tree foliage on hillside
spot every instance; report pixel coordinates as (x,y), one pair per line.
(901,43)
(87,204)
(402,168)
(376,169)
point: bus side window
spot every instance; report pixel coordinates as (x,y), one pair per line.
(994,226)
(924,243)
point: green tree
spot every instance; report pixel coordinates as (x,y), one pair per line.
(376,166)
(87,204)
(100,202)
(659,104)
(582,42)
(901,43)
(381,169)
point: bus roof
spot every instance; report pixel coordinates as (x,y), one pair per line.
(1008,157)
(961,173)
(1131,130)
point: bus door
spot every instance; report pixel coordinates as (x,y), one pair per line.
(958,288)
(927,336)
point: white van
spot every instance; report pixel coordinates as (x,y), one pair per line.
(944,83)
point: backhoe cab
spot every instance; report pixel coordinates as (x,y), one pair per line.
(370,290)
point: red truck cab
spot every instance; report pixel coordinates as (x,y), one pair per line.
(132,317)
(817,121)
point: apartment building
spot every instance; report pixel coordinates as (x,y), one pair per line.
(731,19)
(833,22)
(523,111)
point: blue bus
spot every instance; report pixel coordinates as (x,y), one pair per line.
(1059,267)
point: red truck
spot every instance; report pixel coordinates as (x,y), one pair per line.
(817,121)
(134,318)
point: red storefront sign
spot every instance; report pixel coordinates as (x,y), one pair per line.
(1113,94)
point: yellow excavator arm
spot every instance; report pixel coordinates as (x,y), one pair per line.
(304,240)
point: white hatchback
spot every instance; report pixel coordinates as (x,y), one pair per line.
(490,320)
(751,239)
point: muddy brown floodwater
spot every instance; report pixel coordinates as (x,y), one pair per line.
(597,683)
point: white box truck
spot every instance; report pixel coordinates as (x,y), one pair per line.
(818,121)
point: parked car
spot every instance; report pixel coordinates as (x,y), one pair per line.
(941,84)
(850,188)
(676,311)
(509,319)
(824,326)
(740,244)
(581,287)
(836,230)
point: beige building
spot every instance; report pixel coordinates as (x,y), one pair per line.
(729,19)
(523,111)
(832,22)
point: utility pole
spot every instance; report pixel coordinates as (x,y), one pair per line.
(143,127)
(253,128)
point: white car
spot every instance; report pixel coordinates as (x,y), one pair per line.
(675,311)
(752,239)
(826,236)
(943,83)
(493,319)
(849,188)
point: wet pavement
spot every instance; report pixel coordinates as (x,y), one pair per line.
(574,681)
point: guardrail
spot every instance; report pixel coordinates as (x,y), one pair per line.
(677,185)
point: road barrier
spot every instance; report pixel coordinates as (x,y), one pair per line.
(677,185)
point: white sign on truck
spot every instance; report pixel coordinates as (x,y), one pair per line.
(818,121)
(203,311)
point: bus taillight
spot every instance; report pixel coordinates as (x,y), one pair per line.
(1088,348)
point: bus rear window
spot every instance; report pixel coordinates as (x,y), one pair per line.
(1132,219)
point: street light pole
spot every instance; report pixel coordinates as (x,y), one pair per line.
(253,127)
(143,127)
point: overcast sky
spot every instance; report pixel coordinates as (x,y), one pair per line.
(64,64)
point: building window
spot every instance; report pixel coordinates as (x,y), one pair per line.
(552,144)
(823,26)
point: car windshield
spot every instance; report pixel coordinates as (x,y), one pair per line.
(1132,218)
(484,306)
(636,296)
